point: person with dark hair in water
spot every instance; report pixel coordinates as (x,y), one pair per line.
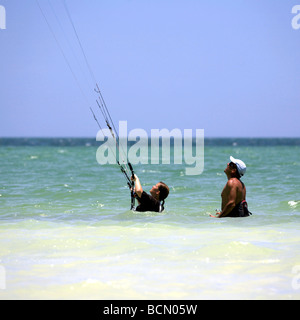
(234,193)
(150,202)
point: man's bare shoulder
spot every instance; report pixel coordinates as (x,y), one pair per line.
(233,182)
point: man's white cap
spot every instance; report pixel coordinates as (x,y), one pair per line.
(240,165)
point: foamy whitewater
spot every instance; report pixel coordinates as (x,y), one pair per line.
(66,231)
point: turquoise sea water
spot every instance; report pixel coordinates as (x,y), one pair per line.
(66,231)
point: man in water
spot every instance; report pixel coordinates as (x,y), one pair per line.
(153,202)
(234,193)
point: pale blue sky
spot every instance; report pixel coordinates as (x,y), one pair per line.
(229,67)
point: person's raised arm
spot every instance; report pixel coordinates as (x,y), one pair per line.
(138,186)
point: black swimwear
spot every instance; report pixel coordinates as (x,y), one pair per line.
(240,210)
(148,203)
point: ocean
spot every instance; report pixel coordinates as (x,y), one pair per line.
(66,231)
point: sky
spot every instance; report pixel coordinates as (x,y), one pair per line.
(231,68)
